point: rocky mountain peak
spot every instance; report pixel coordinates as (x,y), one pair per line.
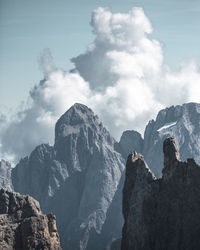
(77,117)
(79,127)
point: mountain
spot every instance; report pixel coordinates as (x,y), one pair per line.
(77,178)
(181,122)
(80,178)
(161,213)
(23,226)
(5,174)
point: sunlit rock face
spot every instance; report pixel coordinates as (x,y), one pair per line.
(23,226)
(5,174)
(179,122)
(77,178)
(161,213)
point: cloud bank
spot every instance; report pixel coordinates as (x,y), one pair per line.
(121,76)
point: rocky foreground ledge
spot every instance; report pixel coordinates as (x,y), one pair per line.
(161,214)
(23,226)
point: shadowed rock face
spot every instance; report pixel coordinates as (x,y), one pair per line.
(161,213)
(23,226)
(171,157)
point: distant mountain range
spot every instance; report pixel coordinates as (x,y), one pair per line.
(80,178)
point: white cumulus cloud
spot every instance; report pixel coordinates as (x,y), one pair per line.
(121,76)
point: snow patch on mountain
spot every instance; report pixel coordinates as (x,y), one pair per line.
(167,125)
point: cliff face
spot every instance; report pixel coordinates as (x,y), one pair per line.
(161,213)
(23,226)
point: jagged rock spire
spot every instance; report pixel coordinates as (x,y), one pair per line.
(171,156)
(138,177)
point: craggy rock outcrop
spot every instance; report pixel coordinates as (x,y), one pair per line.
(23,226)
(161,214)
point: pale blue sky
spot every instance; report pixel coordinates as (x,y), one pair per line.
(29,26)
